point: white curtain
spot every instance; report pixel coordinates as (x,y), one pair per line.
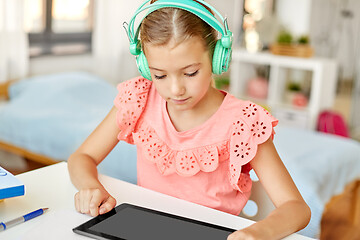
(335,32)
(14,60)
(355,103)
(113,60)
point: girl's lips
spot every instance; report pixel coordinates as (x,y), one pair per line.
(179,101)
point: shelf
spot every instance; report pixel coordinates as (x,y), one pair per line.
(320,87)
(266,58)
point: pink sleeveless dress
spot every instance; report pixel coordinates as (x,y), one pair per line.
(207,165)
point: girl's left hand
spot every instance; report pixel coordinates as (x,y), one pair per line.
(246,234)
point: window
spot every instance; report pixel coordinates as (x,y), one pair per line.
(259,27)
(59,27)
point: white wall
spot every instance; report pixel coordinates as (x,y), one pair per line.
(232,9)
(52,64)
(294,15)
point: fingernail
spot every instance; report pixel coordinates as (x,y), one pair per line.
(102,210)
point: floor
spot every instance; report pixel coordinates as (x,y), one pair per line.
(343,106)
(342,102)
(17,165)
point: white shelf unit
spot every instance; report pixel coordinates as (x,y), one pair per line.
(322,87)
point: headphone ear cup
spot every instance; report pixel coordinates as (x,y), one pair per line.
(217,56)
(143,66)
(227,59)
(221,58)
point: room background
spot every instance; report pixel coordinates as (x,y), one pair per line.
(93,52)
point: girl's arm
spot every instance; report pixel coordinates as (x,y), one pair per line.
(92,197)
(291,214)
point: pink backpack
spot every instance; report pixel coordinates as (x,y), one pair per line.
(333,123)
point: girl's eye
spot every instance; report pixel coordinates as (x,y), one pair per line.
(192,74)
(160,77)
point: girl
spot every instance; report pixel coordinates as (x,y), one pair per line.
(193,141)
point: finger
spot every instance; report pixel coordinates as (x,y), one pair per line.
(106,206)
(85,198)
(97,198)
(239,235)
(77,202)
(232,237)
(81,200)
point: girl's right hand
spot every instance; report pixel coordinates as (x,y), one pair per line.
(94,201)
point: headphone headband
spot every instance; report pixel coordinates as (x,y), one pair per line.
(189,5)
(222,51)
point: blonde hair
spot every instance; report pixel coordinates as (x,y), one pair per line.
(169,23)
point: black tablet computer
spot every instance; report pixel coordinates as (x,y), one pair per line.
(130,222)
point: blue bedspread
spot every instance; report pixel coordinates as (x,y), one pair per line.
(320,164)
(53,114)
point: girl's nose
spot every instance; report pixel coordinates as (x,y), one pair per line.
(177,87)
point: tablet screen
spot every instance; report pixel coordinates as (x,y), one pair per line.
(132,223)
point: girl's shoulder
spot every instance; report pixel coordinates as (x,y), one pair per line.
(251,125)
(247,112)
(135,86)
(130,103)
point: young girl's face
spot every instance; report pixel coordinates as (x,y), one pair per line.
(181,73)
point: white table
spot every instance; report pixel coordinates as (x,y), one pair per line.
(51,187)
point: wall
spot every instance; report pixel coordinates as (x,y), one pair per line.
(232,9)
(294,15)
(50,64)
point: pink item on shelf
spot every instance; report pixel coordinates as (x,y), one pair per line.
(333,123)
(257,88)
(300,100)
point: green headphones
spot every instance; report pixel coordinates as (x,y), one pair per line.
(222,52)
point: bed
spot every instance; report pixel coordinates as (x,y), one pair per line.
(47,117)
